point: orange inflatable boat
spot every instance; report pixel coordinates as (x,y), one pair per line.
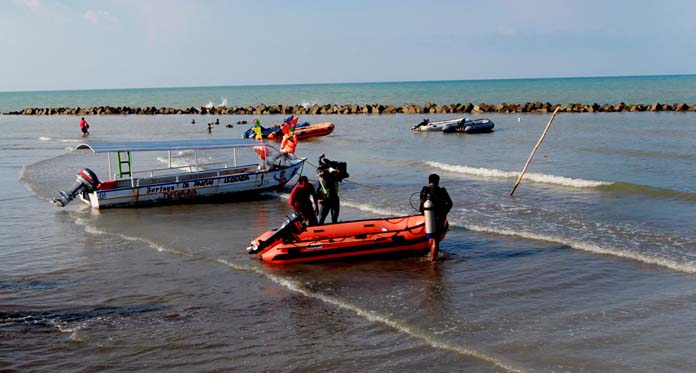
(295,243)
(304,132)
(319,129)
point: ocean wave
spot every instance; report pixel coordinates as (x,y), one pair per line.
(47,138)
(307,104)
(672,264)
(183,153)
(223,103)
(654,192)
(590,247)
(533,176)
(372,208)
(608,186)
(184,162)
(376,317)
(370,315)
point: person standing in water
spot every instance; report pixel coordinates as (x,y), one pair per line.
(301,203)
(84,127)
(328,197)
(441,205)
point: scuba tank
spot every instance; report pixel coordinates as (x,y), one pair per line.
(86,180)
(429,214)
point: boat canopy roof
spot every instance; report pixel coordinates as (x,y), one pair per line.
(144,146)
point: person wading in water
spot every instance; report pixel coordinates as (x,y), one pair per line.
(84,127)
(442,204)
(301,203)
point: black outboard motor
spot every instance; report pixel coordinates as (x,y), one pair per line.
(86,181)
(292,226)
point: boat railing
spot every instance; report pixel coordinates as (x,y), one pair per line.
(188,172)
(163,171)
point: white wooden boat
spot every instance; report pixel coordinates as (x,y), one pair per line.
(186,178)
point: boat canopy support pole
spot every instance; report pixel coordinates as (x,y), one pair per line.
(234,155)
(108,157)
(170,158)
(195,160)
(124,159)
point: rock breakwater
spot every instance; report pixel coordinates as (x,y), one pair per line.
(428,108)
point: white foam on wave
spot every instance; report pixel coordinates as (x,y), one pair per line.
(307,104)
(45,138)
(183,153)
(382,211)
(579,245)
(377,317)
(70,140)
(88,228)
(223,103)
(93,230)
(184,162)
(590,247)
(371,208)
(533,176)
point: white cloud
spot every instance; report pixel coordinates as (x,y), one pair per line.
(32,4)
(96,16)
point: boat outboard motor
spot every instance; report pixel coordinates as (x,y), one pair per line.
(429,215)
(86,180)
(292,226)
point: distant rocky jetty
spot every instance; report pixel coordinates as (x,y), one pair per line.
(529,107)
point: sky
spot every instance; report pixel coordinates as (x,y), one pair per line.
(103,44)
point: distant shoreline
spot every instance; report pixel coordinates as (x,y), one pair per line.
(347,109)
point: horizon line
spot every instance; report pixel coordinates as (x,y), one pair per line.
(349,83)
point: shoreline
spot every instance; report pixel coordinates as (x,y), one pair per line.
(428,108)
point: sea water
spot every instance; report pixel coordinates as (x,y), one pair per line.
(590,266)
(630,89)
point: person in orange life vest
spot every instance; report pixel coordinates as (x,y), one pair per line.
(289,143)
(301,203)
(84,127)
(263,153)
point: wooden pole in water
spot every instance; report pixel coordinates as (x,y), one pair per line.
(529,160)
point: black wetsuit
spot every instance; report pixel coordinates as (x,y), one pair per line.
(329,201)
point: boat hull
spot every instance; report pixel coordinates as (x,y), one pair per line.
(185,187)
(363,238)
(437,126)
(471,126)
(307,131)
(313,130)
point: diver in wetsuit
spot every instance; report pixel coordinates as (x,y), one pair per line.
(328,197)
(442,204)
